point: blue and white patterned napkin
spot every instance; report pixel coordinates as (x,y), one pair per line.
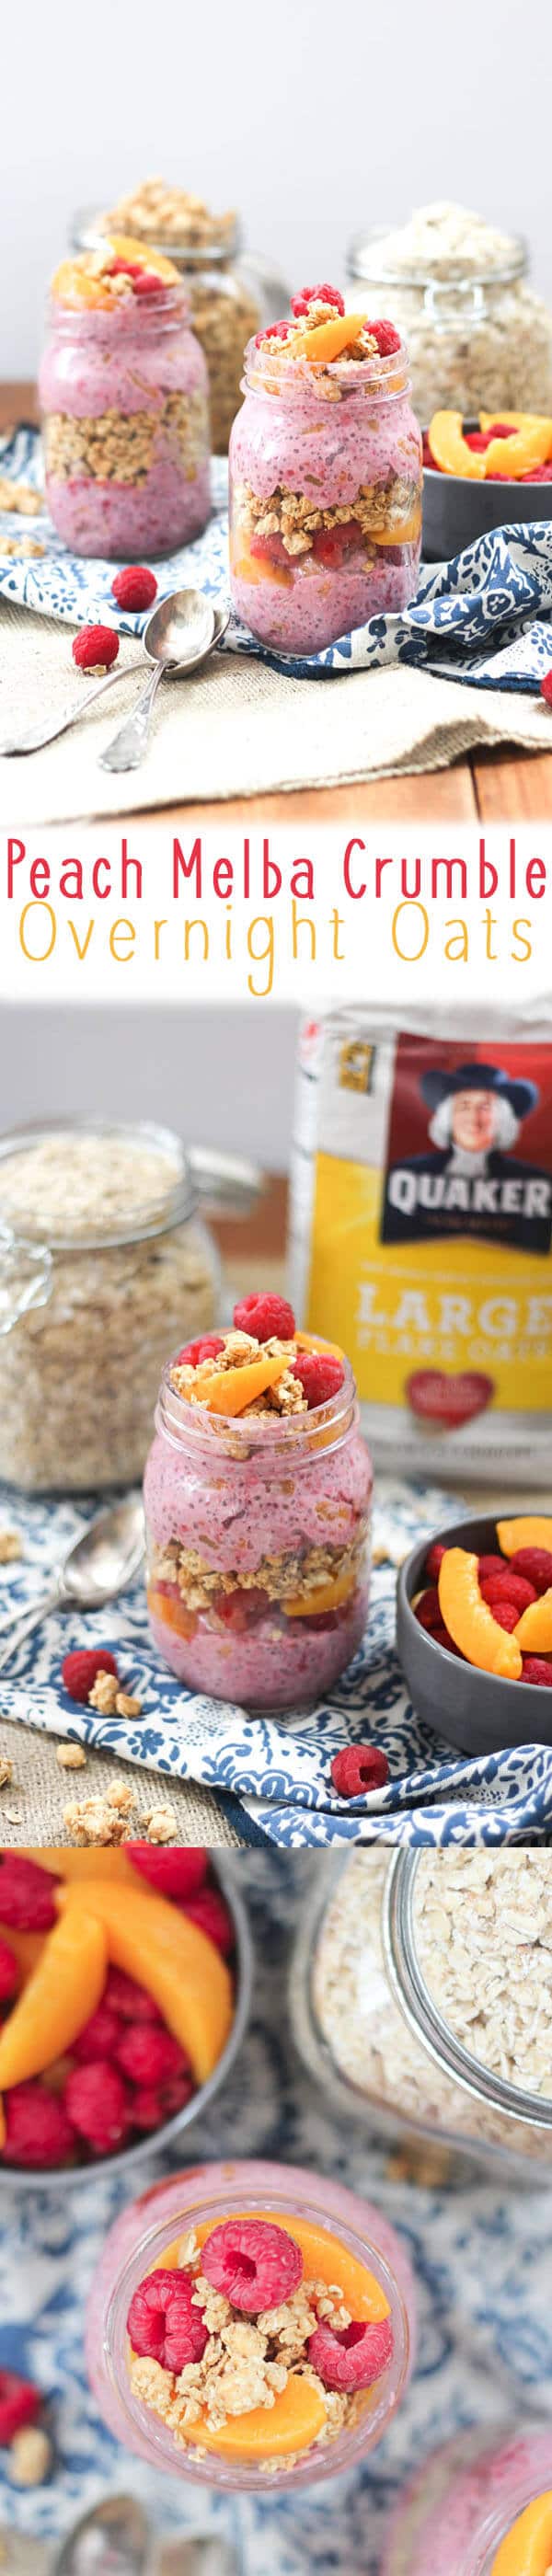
(481,2255)
(485,618)
(275,1772)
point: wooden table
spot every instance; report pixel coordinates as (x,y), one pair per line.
(487,787)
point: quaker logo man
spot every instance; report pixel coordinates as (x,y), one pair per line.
(471,1182)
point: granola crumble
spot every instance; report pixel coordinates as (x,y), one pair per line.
(121,447)
(100,1820)
(247,2362)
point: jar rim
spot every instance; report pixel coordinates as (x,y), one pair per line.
(495,2529)
(413,1995)
(502,273)
(266,1436)
(141,313)
(299,379)
(174,1208)
(88,231)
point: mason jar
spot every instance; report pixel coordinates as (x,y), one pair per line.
(464,2503)
(104,1260)
(325,495)
(147,2234)
(243,1515)
(479,339)
(124,400)
(369,2026)
(229,296)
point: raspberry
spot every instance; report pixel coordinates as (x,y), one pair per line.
(440,1637)
(538,474)
(147,283)
(127,1999)
(272,331)
(353,2359)
(134,588)
(429,461)
(124,268)
(265,1316)
(386,337)
(209,1910)
(162,2323)
(535,1564)
(38,2131)
(20,2404)
(9,1972)
(100,2037)
(147,2108)
(428,1611)
(194,1352)
(506,1614)
(175,1873)
(97,2103)
(256,2264)
(358,1769)
(333,545)
(546,688)
(79,1671)
(270,549)
(508,1587)
(176,2094)
(491,1565)
(95,648)
(536,1669)
(478,440)
(27,1895)
(434,1561)
(150,2056)
(316,295)
(321,1376)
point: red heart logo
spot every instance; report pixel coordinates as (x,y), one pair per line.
(449,1400)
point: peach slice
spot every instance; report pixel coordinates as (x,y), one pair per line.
(527,2549)
(256,568)
(406,535)
(77,1865)
(293,2423)
(169,1955)
(172,1613)
(528,446)
(450,449)
(325,2258)
(470,1621)
(62,1992)
(325,1596)
(534,1529)
(328,340)
(317,1342)
(534,1629)
(75,284)
(231,1390)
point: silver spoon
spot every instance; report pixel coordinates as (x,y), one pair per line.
(114,2539)
(177,638)
(39,736)
(97,1567)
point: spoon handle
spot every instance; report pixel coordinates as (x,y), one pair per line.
(36,740)
(127,747)
(23,1627)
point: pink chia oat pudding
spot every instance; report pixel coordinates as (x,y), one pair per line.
(325,478)
(466,2501)
(258,1518)
(124,397)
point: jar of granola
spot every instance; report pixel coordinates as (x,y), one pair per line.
(257,1498)
(325,477)
(479,2493)
(252,2412)
(108,1261)
(422,1997)
(124,399)
(228,296)
(479,337)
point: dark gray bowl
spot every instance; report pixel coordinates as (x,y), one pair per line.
(456,511)
(477,1712)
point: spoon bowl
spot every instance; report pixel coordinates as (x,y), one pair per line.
(113,2539)
(179,630)
(99,1565)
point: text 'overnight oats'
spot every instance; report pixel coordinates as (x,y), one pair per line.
(124,397)
(325,476)
(257,1495)
(251,2320)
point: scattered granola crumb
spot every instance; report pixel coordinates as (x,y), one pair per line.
(6,1771)
(71,1757)
(99,1820)
(21,546)
(107,1696)
(30,2456)
(159,1825)
(11,1547)
(125,1706)
(20,497)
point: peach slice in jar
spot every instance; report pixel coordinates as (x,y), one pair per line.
(231,1390)
(527,2549)
(469,1619)
(328,341)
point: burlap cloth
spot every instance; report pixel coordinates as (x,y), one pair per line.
(236,729)
(31,1807)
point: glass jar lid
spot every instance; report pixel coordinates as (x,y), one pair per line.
(489,259)
(80,1185)
(421,2010)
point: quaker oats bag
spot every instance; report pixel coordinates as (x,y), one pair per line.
(421,1232)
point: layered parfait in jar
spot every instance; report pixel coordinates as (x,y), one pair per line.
(482,2506)
(251,2320)
(257,1495)
(325,476)
(124,397)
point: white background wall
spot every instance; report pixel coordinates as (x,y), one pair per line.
(220,1077)
(315,119)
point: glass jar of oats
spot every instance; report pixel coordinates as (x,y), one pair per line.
(108,1265)
(421,1996)
(479,337)
(229,297)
